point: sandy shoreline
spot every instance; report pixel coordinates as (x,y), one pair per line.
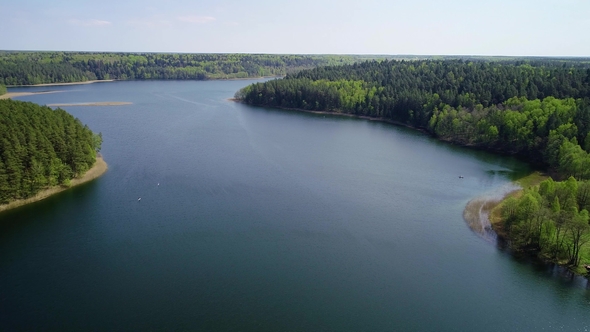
(371,118)
(59,84)
(22,94)
(99,168)
(481,213)
(478,210)
(100,103)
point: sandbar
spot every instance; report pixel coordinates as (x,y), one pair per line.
(100,103)
(70,83)
(22,94)
(99,168)
(478,213)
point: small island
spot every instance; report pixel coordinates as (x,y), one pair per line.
(44,151)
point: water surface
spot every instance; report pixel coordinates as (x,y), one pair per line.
(267,220)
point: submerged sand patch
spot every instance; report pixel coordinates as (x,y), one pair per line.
(68,83)
(477,211)
(100,103)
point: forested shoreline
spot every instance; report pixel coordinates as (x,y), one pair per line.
(41,148)
(537,110)
(29,68)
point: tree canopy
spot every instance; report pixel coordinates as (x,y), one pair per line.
(41,147)
(525,108)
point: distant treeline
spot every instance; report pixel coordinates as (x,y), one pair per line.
(27,68)
(540,111)
(41,147)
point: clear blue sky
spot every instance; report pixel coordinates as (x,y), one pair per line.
(477,27)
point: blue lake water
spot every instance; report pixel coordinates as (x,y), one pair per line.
(267,220)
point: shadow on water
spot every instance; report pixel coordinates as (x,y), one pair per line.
(508,167)
(25,218)
(528,262)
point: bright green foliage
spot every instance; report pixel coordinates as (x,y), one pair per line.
(520,126)
(552,220)
(40,147)
(2,89)
(26,68)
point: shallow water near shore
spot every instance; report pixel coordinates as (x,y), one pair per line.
(254,219)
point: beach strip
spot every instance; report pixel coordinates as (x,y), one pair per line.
(99,168)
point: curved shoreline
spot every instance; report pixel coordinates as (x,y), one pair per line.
(60,84)
(481,214)
(9,95)
(99,168)
(478,211)
(365,117)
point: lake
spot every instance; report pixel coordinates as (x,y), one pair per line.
(254,219)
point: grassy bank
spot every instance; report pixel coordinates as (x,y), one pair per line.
(99,168)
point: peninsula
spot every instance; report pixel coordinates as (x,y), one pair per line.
(44,152)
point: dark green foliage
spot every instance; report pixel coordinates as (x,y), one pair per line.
(2,89)
(408,91)
(26,68)
(40,147)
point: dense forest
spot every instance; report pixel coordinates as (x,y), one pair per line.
(551,220)
(2,89)
(41,147)
(27,68)
(537,110)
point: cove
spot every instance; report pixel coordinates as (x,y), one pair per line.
(267,220)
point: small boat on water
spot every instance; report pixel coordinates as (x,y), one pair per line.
(139,199)
(460,176)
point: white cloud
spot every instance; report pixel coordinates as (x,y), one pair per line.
(196,19)
(89,23)
(152,22)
